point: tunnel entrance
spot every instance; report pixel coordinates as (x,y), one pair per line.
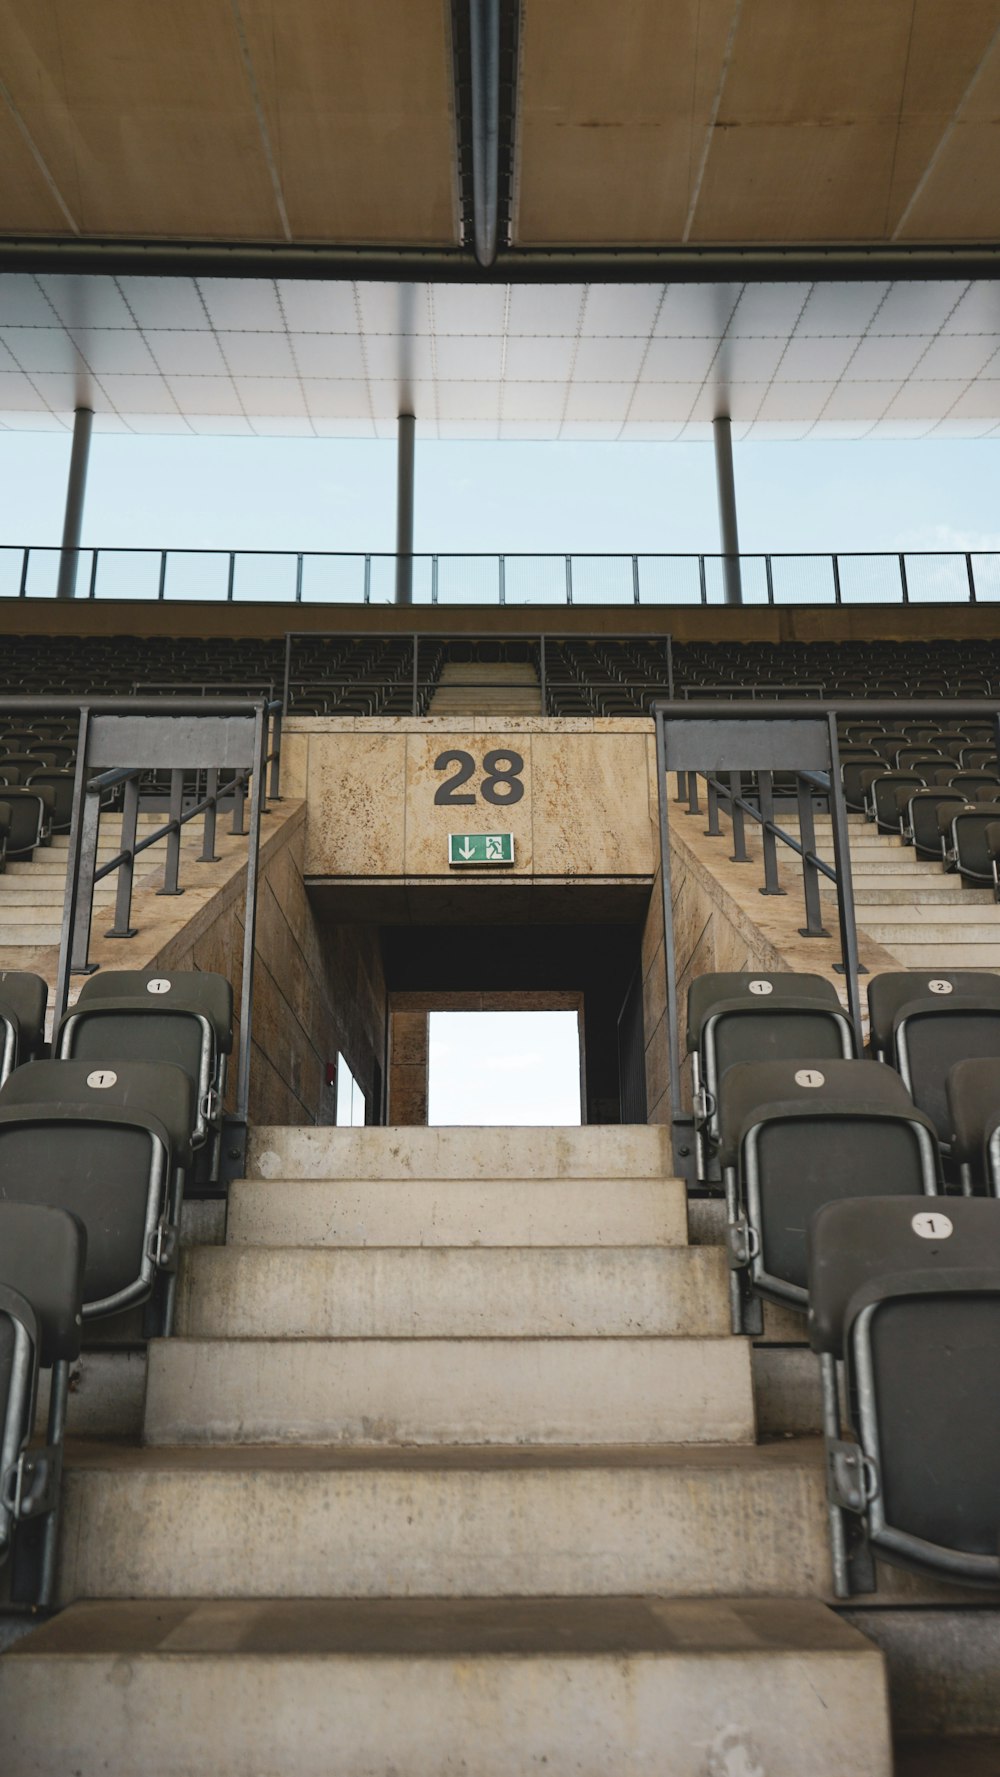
(505,1066)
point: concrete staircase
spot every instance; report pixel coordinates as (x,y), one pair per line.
(487,688)
(32,890)
(924,916)
(452,1468)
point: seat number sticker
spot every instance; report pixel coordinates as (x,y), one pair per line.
(102,1077)
(761,987)
(930,1224)
(940,987)
(810,1076)
(158,985)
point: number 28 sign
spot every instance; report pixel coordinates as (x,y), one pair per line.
(502,782)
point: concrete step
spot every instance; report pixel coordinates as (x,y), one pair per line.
(600,1151)
(13,933)
(453,1293)
(891,931)
(904,865)
(915,895)
(449,1391)
(454,1212)
(252,1522)
(353,1688)
(962,913)
(946,955)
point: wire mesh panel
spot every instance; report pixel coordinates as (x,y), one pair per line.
(986,574)
(937,579)
(753,579)
(124,574)
(870,580)
(468,580)
(11,566)
(382,579)
(197,574)
(669,580)
(534,579)
(803,580)
(264,577)
(333,579)
(602,580)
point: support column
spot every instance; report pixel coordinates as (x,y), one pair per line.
(726,485)
(83,421)
(404,508)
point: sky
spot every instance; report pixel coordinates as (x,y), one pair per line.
(504,1067)
(322,494)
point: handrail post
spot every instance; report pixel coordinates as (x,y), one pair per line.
(298,578)
(970,576)
(541,675)
(713,829)
(368,579)
(635,579)
(434,579)
(670,667)
(122,927)
(569,579)
(814,927)
(231,584)
(275,720)
(836,580)
(84,907)
(740,855)
(239,801)
(92,589)
(770,579)
(845,885)
(702,580)
(502,579)
(903,582)
(416,673)
(161,590)
(208,851)
(769,845)
(171,870)
(681,1152)
(22,591)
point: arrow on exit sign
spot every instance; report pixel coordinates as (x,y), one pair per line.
(480,848)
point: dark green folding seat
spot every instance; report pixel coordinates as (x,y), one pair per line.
(924,1020)
(111,1145)
(798,1134)
(184,1017)
(24,1001)
(42,1258)
(907,1297)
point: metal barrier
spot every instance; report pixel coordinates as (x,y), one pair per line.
(331,577)
(121,740)
(798,738)
(422,685)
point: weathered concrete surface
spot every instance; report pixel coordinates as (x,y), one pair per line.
(357,1690)
(602,1151)
(453,1292)
(584,809)
(449,1212)
(252,1522)
(449,1391)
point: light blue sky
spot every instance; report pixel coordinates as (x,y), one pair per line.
(504,1067)
(303,494)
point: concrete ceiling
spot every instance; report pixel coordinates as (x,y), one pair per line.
(633,122)
(586,361)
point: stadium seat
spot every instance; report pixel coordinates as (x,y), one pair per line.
(30,819)
(111,1145)
(798,1134)
(185,1018)
(919,819)
(881,789)
(922,1023)
(24,1001)
(973,1090)
(965,848)
(60,785)
(42,1257)
(909,1299)
(754,1016)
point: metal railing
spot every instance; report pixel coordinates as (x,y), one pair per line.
(799,739)
(227,744)
(370,686)
(341,577)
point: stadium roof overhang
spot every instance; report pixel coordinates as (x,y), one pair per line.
(531,218)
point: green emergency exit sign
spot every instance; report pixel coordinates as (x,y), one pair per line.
(480,848)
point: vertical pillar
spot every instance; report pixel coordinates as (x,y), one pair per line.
(726,486)
(404,508)
(83,421)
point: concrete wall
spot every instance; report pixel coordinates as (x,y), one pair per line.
(113,617)
(315,992)
(585,812)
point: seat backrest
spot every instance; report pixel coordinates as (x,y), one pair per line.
(935,989)
(911,1298)
(754,990)
(152,1089)
(205,994)
(922,816)
(970,824)
(43,1253)
(810,1132)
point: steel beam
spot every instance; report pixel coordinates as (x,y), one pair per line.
(484,44)
(405,467)
(725,482)
(76,487)
(512,265)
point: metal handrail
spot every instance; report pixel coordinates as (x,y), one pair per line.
(963,577)
(722,737)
